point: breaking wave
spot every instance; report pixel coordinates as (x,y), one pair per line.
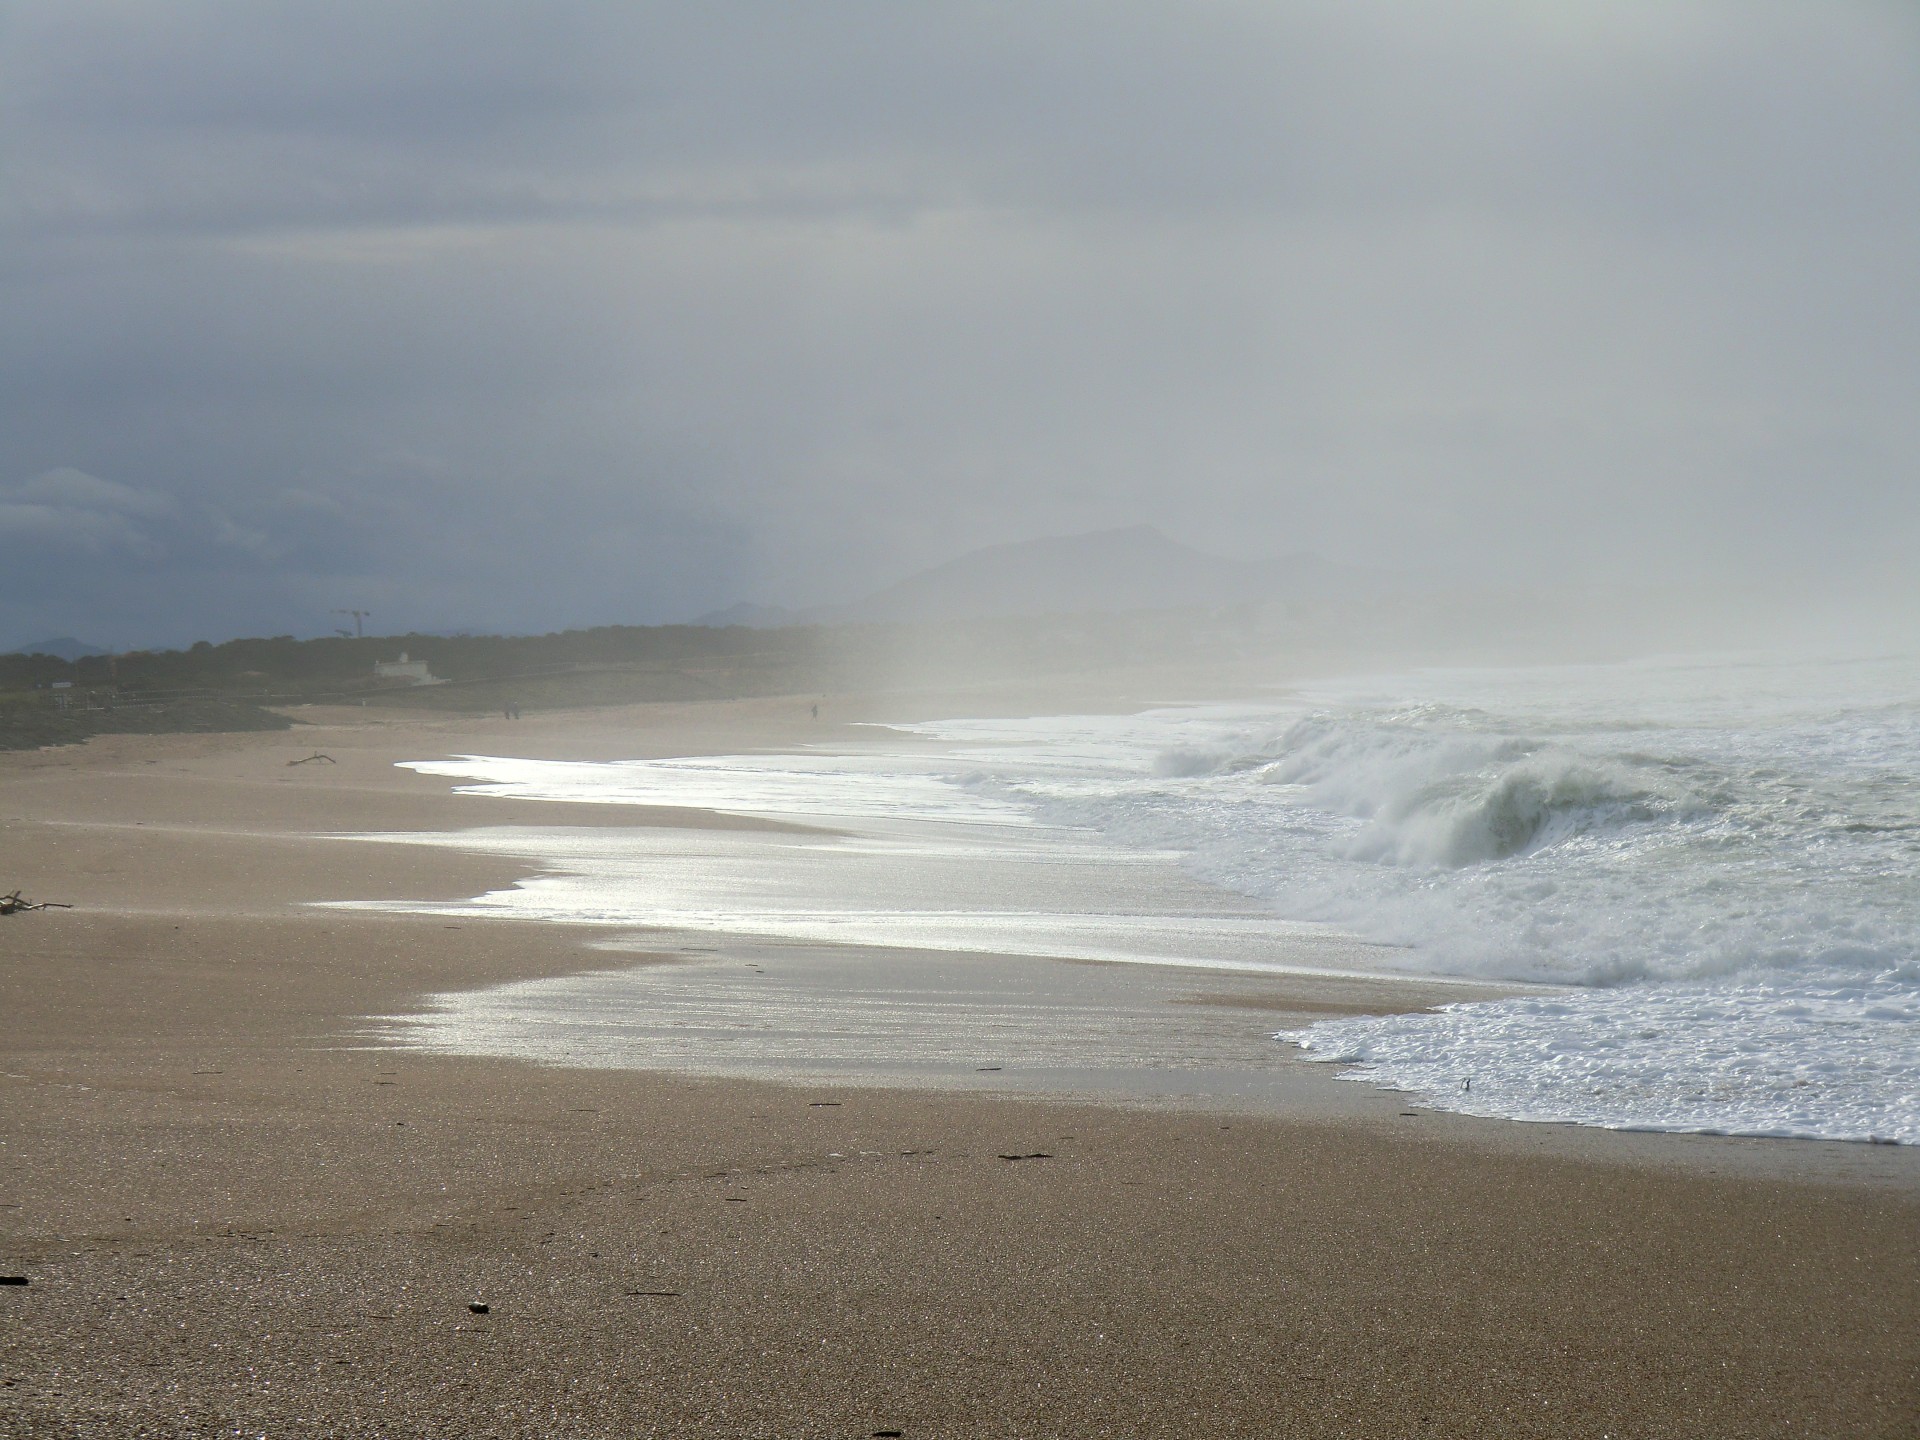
(1723,860)
(1433,794)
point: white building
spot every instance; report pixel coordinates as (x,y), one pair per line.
(412,672)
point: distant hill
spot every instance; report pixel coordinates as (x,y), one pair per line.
(66,647)
(754,617)
(1108,571)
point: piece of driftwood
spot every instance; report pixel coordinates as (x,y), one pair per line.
(13,904)
(313,757)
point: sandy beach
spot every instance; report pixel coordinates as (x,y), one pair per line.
(237,1213)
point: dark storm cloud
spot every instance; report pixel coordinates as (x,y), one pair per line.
(243,114)
(512,315)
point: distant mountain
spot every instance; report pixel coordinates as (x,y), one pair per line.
(754,617)
(66,647)
(1109,571)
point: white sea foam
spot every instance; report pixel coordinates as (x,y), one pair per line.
(1716,864)
(1722,857)
(1817,1059)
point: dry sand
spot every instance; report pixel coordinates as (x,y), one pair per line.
(236,1221)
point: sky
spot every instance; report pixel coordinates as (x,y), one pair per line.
(513,317)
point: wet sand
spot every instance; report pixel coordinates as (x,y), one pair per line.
(235,1215)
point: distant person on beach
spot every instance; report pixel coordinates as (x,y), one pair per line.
(816,712)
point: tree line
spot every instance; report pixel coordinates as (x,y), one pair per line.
(282,664)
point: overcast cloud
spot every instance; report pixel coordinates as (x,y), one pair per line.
(521,316)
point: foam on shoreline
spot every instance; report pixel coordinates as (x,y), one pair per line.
(1716,856)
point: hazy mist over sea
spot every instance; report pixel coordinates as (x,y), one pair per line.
(494,317)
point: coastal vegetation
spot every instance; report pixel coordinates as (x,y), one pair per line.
(245,684)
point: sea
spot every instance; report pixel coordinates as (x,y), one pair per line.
(1693,882)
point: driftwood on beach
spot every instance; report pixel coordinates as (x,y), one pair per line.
(14,904)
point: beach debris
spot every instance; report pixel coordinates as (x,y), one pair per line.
(888,1434)
(479,1307)
(662,1294)
(313,757)
(14,904)
(14,1280)
(1030,1155)
(823,1104)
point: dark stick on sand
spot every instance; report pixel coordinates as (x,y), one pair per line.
(14,905)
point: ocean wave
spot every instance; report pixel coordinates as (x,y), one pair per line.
(1437,793)
(1560,837)
(1498,812)
(1718,873)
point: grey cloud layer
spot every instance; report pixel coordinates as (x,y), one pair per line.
(510,315)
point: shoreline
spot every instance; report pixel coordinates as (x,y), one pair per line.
(1310,967)
(184,1130)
